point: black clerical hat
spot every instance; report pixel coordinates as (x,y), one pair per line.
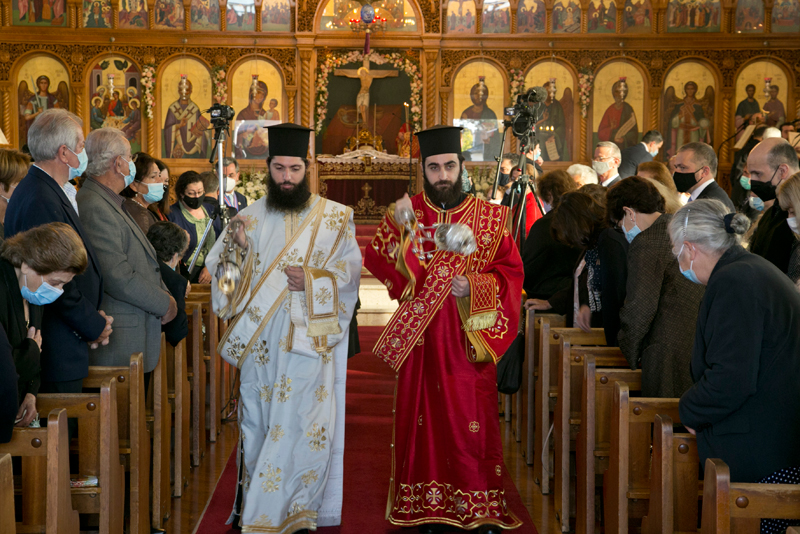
(439,140)
(288,139)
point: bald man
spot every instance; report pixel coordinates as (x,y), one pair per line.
(771,162)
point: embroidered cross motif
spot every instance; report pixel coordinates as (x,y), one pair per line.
(310,477)
(321,394)
(261,352)
(474,426)
(283,388)
(276,433)
(254,313)
(323,296)
(266,393)
(272,476)
(318,438)
(317,258)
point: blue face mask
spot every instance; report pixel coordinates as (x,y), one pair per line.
(45,294)
(653,152)
(633,232)
(756,203)
(131,173)
(745,182)
(155,192)
(83,161)
(688,273)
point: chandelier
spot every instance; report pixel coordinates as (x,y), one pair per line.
(368,21)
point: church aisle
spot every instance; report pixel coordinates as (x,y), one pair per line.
(370,391)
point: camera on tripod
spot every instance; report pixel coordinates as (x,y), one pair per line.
(221,115)
(525,112)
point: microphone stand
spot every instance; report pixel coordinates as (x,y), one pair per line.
(739,129)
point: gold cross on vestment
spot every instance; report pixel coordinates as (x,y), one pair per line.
(367,188)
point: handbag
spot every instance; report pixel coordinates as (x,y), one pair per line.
(509,370)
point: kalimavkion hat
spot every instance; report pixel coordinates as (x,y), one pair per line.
(439,140)
(288,139)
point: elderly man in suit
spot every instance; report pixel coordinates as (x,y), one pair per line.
(134,292)
(73,322)
(640,153)
(695,170)
(605,163)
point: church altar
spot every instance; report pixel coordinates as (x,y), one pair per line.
(365,180)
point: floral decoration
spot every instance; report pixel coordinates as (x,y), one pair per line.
(220,85)
(586,82)
(148,81)
(517,84)
(253,185)
(397,60)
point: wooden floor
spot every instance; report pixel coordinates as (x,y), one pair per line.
(186,511)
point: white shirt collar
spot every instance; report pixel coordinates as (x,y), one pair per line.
(605,183)
(699,190)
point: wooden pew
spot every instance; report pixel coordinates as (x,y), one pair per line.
(179,393)
(593,443)
(567,415)
(97,452)
(626,484)
(134,439)
(211,358)
(738,507)
(7,521)
(45,472)
(159,415)
(674,481)
(541,377)
(197,378)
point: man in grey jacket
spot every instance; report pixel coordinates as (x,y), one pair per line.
(133,291)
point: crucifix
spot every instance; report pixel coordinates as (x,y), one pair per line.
(366,76)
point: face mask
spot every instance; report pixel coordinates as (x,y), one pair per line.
(83,161)
(230,183)
(131,173)
(46,294)
(155,192)
(504,179)
(653,152)
(537,155)
(745,182)
(756,203)
(688,273)
(792,222)
(547,207)
(764,190)
(193,202)
(633,232)
(600,167)
(684,181)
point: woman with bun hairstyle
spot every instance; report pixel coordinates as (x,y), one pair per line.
(743,405)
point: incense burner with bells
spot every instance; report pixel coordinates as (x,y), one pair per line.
(229,270)
(449,237)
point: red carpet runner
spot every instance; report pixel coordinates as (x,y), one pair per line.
(368,434)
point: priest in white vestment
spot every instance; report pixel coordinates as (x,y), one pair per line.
(288,333)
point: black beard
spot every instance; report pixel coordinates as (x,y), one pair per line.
(443,197)
(294,200)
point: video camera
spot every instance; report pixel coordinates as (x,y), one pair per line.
(221,115)
(525,112)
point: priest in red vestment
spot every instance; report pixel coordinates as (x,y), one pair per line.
(457,316)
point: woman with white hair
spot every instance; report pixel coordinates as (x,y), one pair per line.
(582,174)
(746,357)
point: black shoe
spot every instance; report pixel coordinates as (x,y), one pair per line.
(489,529)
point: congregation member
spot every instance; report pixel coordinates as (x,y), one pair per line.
(582,174)
(509,172)
(522,221)
(190,214)
(446,397)
(789,199)
(642,152)
(658,318)
(13,168)
(289,340)
(548,263)
(233,199)
(745,358)
(695,170)
(580,222)
(72,323)
(161,208)
(605,163)
(133,291)
(34,266)
(211,201)
(146,189)
(740,181)
(770,163)
(170,243)
(658,172)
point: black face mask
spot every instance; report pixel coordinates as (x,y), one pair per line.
(504,179)
(684,180)
(193,202)
(764,190)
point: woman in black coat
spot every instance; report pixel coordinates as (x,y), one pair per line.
(34,266)
(170,242)
(743,406)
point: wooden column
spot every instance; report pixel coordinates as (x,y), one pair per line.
(5,16)
(620,16)
(478,17)
(655,100)
(291,95)
(187,15)
(223,11)
(306,86)
(444,95)
(768,4)
(548,19)
(259,7)
(151,14)
(584,141)
(78,90)
(75,13)
(727,120)
(430,84)
(584,20)
(513,6)
(6,89)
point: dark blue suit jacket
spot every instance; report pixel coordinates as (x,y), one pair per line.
(631,158)
(212,207)
(71,321)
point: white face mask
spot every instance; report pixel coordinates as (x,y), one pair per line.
(230,183)
(792,222)
(601,167)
